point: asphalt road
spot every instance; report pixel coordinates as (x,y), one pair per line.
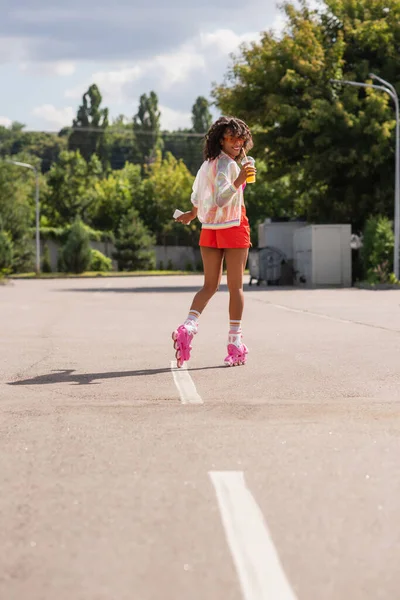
(121,478)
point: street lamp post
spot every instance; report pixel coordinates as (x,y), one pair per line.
(389,89)
(32,168)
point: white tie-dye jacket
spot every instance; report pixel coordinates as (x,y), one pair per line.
(219,203)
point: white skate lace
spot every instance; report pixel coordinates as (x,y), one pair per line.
(235,339)
(190,327)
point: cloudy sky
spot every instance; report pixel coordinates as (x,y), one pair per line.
(52,50)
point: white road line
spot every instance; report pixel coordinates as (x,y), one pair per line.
(257,563)
(184,383)
(328,317)
(315,314)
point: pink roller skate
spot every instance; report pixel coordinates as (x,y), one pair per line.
(182,342)
(237,352)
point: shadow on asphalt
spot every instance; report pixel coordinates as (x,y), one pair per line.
(166,289)
(70,376)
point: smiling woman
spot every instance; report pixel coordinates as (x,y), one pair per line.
(218,203)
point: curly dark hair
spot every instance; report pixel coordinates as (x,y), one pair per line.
(237,127)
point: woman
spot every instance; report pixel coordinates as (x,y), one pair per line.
(218,203)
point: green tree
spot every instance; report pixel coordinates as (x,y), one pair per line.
(76,252)
(110,199)
(133,175)
(167,186)
(272,199)
(341,139)
(70,184)
(89,127)
(187,144)
(121,143)
(146,127)
(201,116)
(377,250)
(6,252)
(17,211)
(43,145)
(134,244)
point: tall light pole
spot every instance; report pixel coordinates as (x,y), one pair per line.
(389,89)
(27,166)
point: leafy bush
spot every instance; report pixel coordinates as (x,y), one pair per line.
(377,251)
(60,234)
(134,244)
(381,274)
(99,262)
(76,252)
(6,251)
(17,213)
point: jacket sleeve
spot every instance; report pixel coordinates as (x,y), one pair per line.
(224,188)
(195,190)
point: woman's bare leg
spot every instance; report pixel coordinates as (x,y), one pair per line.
(235,260)
(212,264)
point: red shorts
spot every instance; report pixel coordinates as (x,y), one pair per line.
(232,237)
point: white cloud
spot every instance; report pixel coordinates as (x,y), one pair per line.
(279,24)
(5,121)
(54,117)
(110,83)
(226,41)
(174,119)
(59,68)
(166,70)
(178,66)
(203,57)
(127,48)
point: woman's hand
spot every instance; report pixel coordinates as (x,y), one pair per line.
(186,218)
(245,171)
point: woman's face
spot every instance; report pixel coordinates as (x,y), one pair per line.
(231,145)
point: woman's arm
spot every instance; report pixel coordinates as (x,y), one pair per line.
(188,216)
(226,185)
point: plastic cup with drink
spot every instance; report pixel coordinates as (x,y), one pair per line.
(249,159)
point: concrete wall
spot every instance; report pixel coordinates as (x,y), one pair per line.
(179,257)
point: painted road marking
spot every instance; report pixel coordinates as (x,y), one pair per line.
(257,563)
(310,313)
(184,383)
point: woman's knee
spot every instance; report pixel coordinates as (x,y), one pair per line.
(235,287)
(210,288)
(235,282)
